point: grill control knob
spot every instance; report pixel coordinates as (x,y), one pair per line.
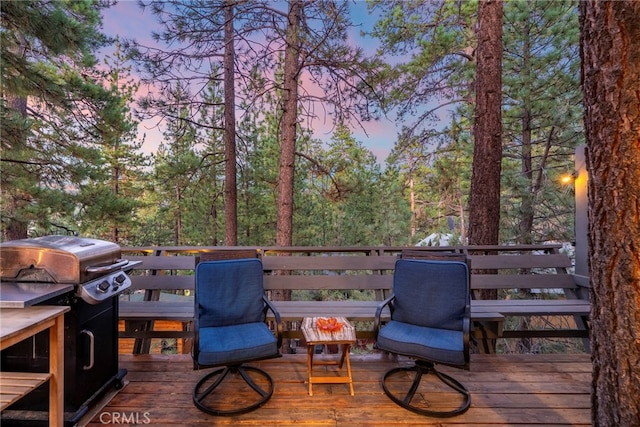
(103,286)
(120,278)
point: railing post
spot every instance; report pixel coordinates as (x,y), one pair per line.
(581,218)
(143,345)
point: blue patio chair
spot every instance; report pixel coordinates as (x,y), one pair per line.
(430,321)
(230,330)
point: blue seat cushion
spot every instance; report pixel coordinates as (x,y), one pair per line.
(228,345)
(436,345)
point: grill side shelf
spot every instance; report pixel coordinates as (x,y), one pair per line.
(21,295)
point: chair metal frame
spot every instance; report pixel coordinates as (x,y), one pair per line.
(423,367)
(208,383)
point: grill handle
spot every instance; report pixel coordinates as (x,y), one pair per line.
(92,342)
(105,269)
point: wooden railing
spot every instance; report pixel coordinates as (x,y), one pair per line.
(163,287)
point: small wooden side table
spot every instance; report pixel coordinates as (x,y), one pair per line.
(345,337)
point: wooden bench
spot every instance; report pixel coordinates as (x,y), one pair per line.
(309,272)
(531,282)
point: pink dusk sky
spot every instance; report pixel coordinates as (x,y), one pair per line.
(128,21)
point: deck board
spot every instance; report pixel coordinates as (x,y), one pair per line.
(507,390)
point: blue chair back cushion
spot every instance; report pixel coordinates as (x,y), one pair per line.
(228,345)
(429,293)
(429,308)
(229,292)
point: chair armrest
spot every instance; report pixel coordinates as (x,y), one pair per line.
(279,327)
(376,321)
(466,330)
(466,325)
(195,347)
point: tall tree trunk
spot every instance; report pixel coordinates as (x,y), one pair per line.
(484,203)
(463,225)
(412,208)
(289,121)
(526,168)
(284,228)
(230,185)
(525,225)
(610,52)
(177,232)
(115,187)
(484,200)
(16,227)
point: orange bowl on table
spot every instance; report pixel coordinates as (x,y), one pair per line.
(330,324)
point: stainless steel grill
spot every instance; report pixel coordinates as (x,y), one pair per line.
(87,275)
(92,266)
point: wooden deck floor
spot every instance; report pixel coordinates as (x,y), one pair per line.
(507,390)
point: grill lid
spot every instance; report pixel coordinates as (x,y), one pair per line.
(58,259)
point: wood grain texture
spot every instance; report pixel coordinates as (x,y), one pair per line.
(514,390)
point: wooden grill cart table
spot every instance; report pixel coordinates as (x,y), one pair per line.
(19,324)
(345,337)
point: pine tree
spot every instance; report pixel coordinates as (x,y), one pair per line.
(431,45)
(51,92)
(542,118)
(257,183)
(176,165)
(107,205)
